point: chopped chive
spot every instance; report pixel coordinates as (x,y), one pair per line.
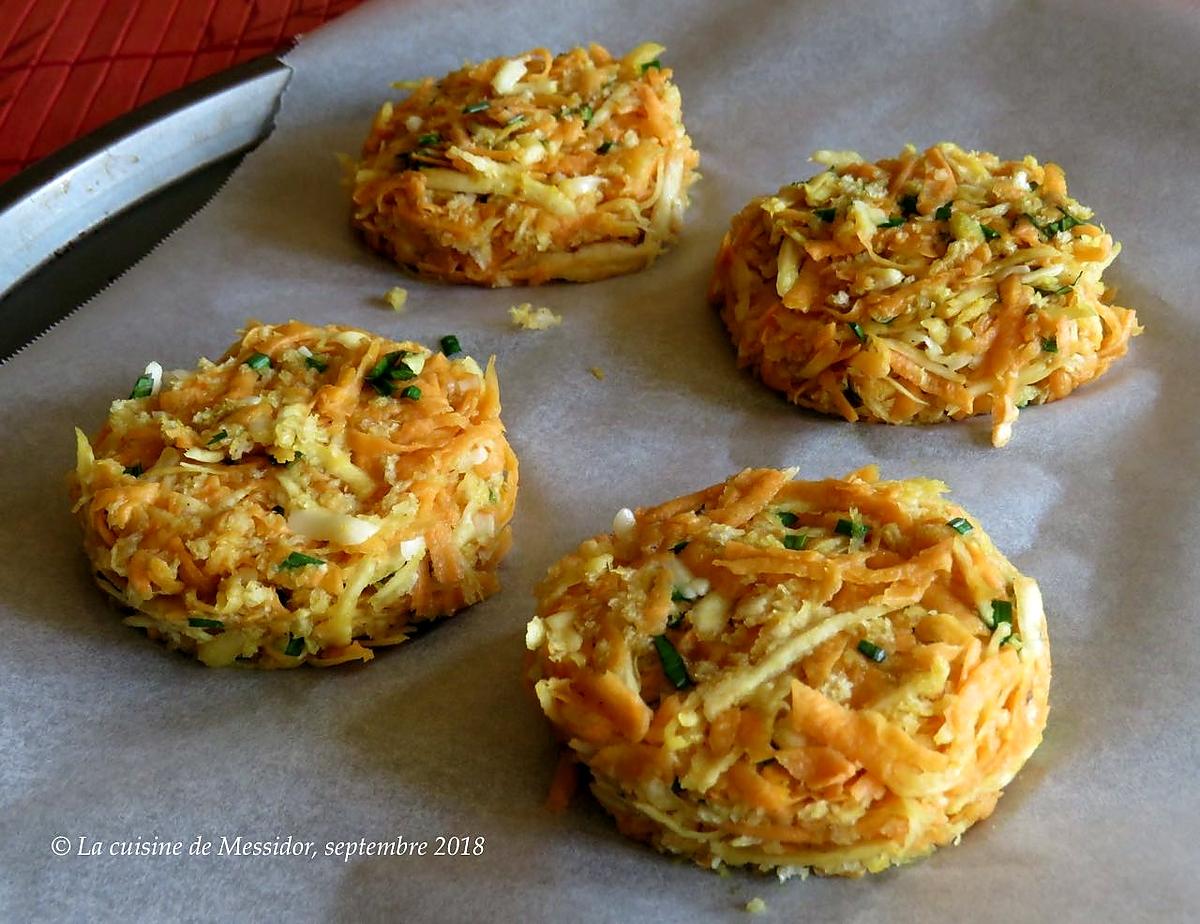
(515,120)
(675,618)
(672,663)
(217,437)
(295,646)
(871,651)
(586,113)
(677,596)
(960,525)
(400,372)
(379,368)
(892,222)
(383,386)
(316,362)
(1050,344)
(943,212)
(1011,639)
(908,205)
(1066,223)
(649,64)
(450,345)
(826,214)
(679,546)
(787,518)
(605,148)
(199,622)
(858,331)
(852,529)
(431,138)
(299,560)
(1001,612)
(988,233)
(143,386)
(135,470)
(259,361)
(481,106)
(412,393)
(795,541)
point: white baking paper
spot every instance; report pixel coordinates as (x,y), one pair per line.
(106,738)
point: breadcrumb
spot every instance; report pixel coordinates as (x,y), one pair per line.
(527,317)
(597,373)
(756,906)
(396,298)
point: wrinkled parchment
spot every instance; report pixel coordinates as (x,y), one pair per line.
(108,738)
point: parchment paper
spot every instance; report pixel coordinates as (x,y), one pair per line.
(106,737)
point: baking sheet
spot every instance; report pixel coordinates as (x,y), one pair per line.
(105,737)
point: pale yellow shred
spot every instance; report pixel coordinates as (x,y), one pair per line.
(527,317)
(756,905)
(397,298)
(597,373)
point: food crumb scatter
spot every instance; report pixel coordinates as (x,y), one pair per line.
(597,373)
(397,298)
(756,906)
(527,317)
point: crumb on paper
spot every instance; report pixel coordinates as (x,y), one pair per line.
(756,906)
(597,373)
(526,317)
(396,298)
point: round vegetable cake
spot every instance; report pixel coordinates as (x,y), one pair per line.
(526,169)
(316,492)
(923,288)
(834,675)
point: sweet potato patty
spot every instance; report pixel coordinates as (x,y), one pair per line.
(924,288)
(314,493)
(526,169)
(838,675)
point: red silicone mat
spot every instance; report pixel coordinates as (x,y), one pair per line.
(69,66)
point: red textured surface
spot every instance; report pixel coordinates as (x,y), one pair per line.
(69,66)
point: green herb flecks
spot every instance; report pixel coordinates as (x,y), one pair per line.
(1049,344)
(295,646)
(135,470)
(943,212)
(960,525)
(259,361)
(199,622)
(605,148)
(316,362)
(892,222)
(854,529)
(871,651)
(655,63)
(679,546)
(988,233)
(908,205)
(390,369)
(412,393)
(515,120)
(299,560)
(858,332)
(482,106)
(143,387)
(217,437)
(787,518)
(450,345)
(826,214)
(795,542)
(1001,612)
(672,663)
(586,113)
(428,139)
(677,596)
